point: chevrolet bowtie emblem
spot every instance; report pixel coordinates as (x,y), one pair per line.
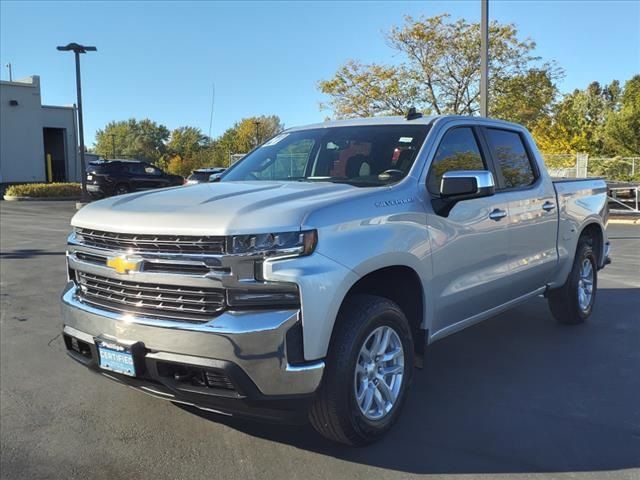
(123,264)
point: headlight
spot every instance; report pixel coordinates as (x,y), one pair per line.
(281,244)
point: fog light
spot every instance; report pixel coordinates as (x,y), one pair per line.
(250,298)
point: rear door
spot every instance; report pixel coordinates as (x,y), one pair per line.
(136,175)
(533,215)
(154,177)
(469,246)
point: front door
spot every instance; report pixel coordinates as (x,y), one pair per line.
(469,246)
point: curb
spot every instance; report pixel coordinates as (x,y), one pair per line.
(625,221)
(11,198)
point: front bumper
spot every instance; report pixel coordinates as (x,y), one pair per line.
(98,189)
(249,348)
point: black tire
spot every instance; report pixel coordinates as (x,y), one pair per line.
(335,413)
(563,301)
(121,189)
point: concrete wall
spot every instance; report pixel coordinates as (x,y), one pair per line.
(21,135)
(21,144)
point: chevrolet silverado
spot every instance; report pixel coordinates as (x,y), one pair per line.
(309,280)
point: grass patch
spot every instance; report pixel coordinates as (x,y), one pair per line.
(44,190)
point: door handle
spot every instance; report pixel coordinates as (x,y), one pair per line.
(548,206)
(497,214)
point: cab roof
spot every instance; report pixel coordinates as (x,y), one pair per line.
(399,120)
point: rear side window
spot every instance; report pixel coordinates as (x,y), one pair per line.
(135,168)
(511,157)
(458,150)
(104,167)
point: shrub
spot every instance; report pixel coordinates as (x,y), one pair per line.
(42,190)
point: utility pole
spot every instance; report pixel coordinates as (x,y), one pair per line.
(484,58)
(113,145)
(213,100)
(77,49)
(257,124)
(10,72)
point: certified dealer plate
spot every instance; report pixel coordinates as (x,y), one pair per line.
(116,358)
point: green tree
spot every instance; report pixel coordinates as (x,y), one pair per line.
(577,122)
(622,129)
(524,99)
(439,73)
(187,141)
(142,140)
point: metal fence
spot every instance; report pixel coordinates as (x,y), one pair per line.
(621,173)
(619,169)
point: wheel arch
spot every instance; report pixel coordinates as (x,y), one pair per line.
(401,284)
(595,232)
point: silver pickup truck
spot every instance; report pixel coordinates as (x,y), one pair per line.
(309,280)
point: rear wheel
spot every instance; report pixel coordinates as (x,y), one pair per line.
(369,368)
(573,302)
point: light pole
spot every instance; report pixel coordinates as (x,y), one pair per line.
(484,58)
(10,72)
(113,145)
(78,49)
(257,124)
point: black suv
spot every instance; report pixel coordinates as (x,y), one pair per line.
(115,177)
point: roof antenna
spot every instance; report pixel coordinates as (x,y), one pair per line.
(412,114)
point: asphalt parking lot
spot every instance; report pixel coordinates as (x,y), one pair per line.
(518,396)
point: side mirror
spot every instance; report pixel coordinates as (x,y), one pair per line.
(459,185)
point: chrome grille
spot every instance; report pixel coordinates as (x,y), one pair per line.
(149,299)
(152,243)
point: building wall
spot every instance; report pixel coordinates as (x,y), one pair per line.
(21,144)
(21,133)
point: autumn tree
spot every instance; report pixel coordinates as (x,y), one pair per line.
(439,73)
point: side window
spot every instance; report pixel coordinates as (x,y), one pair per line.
(511,157)
(135,168)
(151,170)
(458,150)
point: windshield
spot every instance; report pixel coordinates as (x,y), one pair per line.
(361,156)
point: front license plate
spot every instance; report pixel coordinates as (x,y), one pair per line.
(116,358)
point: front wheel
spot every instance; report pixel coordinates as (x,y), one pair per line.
(369,369)
(573,302)
(121,189)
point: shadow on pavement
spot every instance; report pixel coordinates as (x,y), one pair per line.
(27,253)
(518,393)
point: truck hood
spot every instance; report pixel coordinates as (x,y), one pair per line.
(224,208)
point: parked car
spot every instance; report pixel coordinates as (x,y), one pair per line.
(116,177)
(312,279)
(203,175)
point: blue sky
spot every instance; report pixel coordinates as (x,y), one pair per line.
(158,59)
